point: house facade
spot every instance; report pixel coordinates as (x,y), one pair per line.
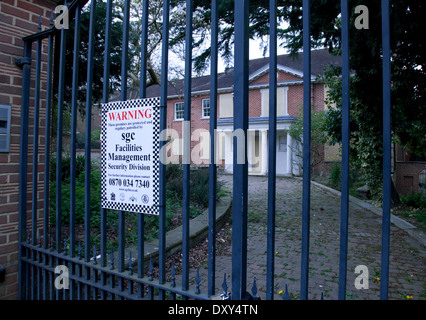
(289,106)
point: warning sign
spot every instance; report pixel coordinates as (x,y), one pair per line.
(130,155)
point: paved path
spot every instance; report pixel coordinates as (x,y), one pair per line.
(407,258)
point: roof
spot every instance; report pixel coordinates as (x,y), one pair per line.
(288,63)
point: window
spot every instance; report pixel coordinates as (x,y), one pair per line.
(226,105)
(179,106)
(5,113)
(206,108)
(281,101)
(205,145)
(282,143)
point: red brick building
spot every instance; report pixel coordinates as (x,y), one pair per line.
(289,106)
(18,19)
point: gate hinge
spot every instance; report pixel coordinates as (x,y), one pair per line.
(21,62)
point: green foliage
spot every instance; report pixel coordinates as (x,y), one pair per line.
(319,135)
(199,184)
(198,197)
(80,192)
(415,200)
(415,207)
(66,168)
(408,88)
(335,176)
(356,178)
(115,55)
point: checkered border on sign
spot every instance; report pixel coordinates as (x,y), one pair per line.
(154,103)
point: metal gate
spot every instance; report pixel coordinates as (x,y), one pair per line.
(41,251)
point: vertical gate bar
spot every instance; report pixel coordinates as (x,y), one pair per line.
(142,95)
(51,290)
(46,200)
(144,49)
(61,87)
(87,149)
(186,145)
(125,49)
(270,267)
(344,206)
(105,97)
(240,168)
(34,269)
(124,64)
(47,137)
(74,112)
(163,126)
(212,164)
(386,150)
(74,127)
(39,275)
(88,127)
(23,168)
(306,149)
(35,140)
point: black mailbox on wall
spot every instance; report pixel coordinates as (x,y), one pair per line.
(4,128)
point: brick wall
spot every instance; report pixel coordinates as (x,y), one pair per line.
(18,18)
(407,176)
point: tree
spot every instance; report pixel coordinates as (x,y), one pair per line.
(408,69)
(319,138)
(408,88)
(115,49)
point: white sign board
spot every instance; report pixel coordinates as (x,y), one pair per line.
(130,156)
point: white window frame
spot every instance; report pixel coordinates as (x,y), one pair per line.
(203,109)
(176,111)
(282,97)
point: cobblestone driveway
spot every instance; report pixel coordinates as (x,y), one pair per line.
(407,258)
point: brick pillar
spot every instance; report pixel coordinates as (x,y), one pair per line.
(18,18)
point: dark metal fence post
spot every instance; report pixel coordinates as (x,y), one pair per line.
(345,152)
(47,137)
(212,164)
(240,187)
(272,149)
(187,146)
(306,148)
(61,87)
(142,94)
(74,112)
(386,150)
(163,126)
(23,169)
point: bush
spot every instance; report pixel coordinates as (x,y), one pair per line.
(335,176)
(80,191)
(199,184)
(66,168)
(199,193)
(414,200)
